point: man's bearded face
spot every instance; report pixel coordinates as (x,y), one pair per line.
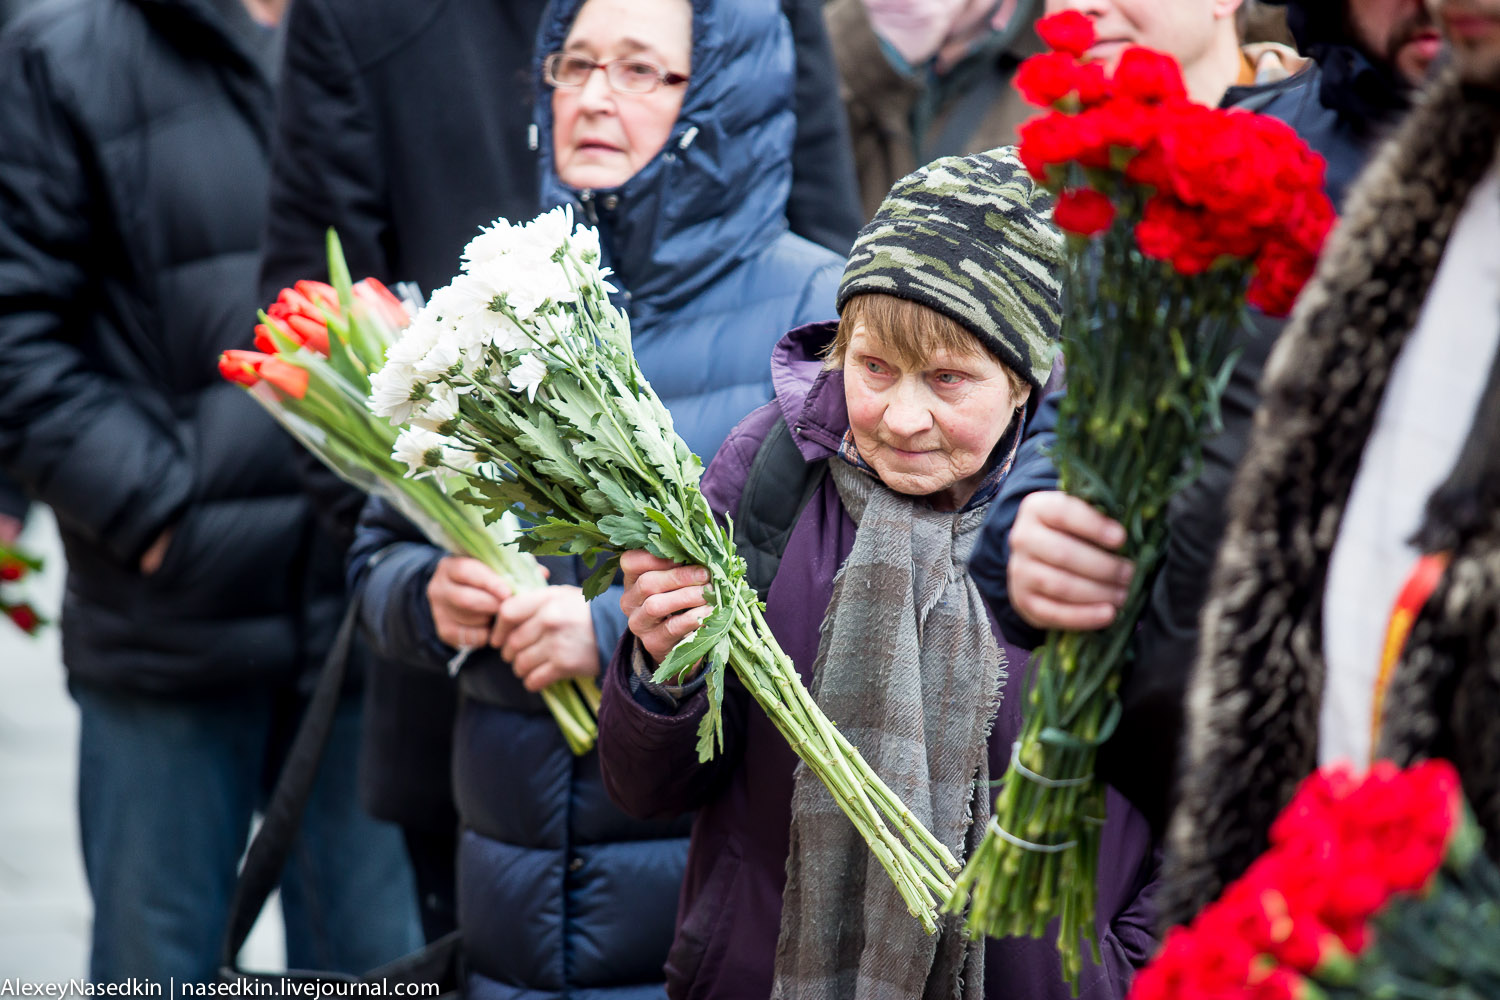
(1399,33)
(1473,31)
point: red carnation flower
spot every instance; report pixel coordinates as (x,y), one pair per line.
(1281,271)
(1048,79)
(1149,77)
(1083,211)
(1070,31)
(25,617)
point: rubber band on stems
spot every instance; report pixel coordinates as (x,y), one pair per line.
(1045,782)
(1042,779)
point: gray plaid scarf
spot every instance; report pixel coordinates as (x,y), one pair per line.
(909,670)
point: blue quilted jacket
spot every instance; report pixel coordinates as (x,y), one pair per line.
(560,893)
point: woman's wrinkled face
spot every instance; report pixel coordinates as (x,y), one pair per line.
(601,137)
(929,429)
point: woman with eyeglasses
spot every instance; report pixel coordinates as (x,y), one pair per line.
(669,125)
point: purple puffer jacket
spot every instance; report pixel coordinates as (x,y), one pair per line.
(729,912)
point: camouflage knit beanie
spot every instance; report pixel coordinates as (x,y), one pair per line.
(971,237)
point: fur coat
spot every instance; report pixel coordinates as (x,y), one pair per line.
(1254,700)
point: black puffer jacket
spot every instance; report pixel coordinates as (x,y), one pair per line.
(133,145)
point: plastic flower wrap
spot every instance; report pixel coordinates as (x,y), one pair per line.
(1178,215)
(1373,886)
(319,347)
(523,370)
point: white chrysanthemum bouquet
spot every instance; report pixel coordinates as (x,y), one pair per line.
(520,377)
(316,347)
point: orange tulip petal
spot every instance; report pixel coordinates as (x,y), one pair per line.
(319,292)
(287,377)
(311,333)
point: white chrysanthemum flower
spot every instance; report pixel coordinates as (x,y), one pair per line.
(548,231)
(444,355)
(493,241)
(437,411)
(504,335)
(420,450)
(585,243)
(459,458)
(395,392)
(417,339)
(523,281)
(527,376)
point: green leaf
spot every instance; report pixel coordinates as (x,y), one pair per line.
(696,646)
(711,728)
(501,495)
(542,438)
(625,531)
(600,579)
(596,502)
(555,536)
(668,542)
(623,500)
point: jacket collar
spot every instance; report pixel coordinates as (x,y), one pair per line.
(810,396)
(716,193)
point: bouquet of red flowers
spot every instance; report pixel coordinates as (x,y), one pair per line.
(16,565)
(1177,215)
(1374,886)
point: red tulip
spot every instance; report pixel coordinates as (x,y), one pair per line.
(385,305)
(287,377)
(320,292)
(313,334)
(242,366)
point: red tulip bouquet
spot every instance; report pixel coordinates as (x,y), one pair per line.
(1374,886)
(15,566)
(1177,215)
(318,345)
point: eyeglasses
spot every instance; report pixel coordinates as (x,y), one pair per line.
(627,76)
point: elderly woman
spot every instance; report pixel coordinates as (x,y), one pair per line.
(668,124)
(904,417)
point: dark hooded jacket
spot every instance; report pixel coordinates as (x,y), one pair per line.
(559,892)
(133,146)
(730,912)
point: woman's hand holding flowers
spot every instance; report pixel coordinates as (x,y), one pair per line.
(465,595)
(547,636)
(663,600)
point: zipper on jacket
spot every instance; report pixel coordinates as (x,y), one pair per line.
(586,198)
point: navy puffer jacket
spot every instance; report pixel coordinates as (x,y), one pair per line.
(560,893)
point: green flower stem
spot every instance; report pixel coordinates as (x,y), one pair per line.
(916,861)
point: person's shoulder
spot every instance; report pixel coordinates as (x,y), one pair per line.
(374,29)
(63,29)
(724,480)
(1286,98)
(796,264)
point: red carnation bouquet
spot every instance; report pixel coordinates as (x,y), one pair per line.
(1373,886)
(1177,215)
(15,566)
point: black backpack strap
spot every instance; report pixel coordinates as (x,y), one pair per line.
(780,484)
(272,845)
